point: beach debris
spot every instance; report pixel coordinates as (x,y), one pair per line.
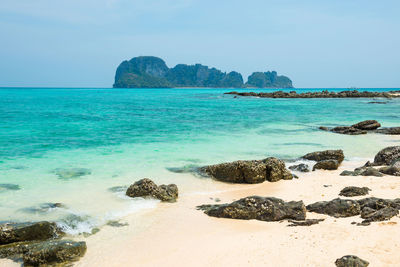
(327,185)
(71,173)
(258,208)
(325,155)
(307,222)
(353,191)
(147,188)
(351,261)
(9,187)
(300,167)
(336,207)
(387,156)
(17,232)
(250,171)
(330,164)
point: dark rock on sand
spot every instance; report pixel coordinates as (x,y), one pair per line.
(307,222)
(16,232)
(325,155)
(147,188)
(378,203)
(351,261)
(251,171)
(300,167)
(387,155)
(363,171)
(9,187)
(367,125)
(258,208)
(383,214)
(366,211)
(353,191)
(336,207)
(55,251)
(71,173)
(330,164)
(390,170)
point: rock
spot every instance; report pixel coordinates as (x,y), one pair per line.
(348,173)
(396,164)
(389,130)
(252,171)
(391,170)
(367,125)
(71,173)
(16,232)
(325,155)
(51,252)
(185,169)
(258,208)
(383,214)
(116,189)
(378,203)
(329,164)
(348,130)
(387,155)
(351,261)
(300,167)
(366,211)
(369,171)
(336,207)
(9,187)
(353,191)
(147,188)
(12,250)
(323,128)
(43,208)
(116,224)
(307,222)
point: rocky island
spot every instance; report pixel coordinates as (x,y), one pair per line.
(152,72)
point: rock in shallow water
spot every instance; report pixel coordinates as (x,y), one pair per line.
(71,173)
(9,187)
(348,130)
(367,125)
(300,167)
(258,208)
(353,191)
(147,188)
(16,232)
(325,155)
(387,156)
(351,261)
(250,171)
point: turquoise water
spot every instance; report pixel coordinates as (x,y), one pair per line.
(121,135)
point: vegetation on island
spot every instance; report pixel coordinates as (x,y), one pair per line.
(152,72)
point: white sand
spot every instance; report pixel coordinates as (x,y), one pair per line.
(179,235)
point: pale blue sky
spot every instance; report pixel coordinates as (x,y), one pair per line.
(317,43)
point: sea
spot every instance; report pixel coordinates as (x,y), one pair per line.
(68,154)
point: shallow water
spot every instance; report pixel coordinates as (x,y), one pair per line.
(112,137)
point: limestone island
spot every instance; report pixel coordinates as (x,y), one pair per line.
(152,72)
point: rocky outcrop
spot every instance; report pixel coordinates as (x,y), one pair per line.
(323,94)
(363,127)
(147,188)
(383,214)
(330,164)
(250,171)
(258,208)
(17,232)
(351,261)
(336,207)
(363,171)
(152,72)
(325,155)
(387,156)
(300,167)
(353,191)
(35,244)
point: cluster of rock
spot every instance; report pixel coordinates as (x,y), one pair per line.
(351,261)
(363,127)
(371,209)
(147,188)
(38,244)
(152,72)
(326,160)
(387,162)
(323,94)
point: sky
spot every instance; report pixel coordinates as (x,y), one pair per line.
(317,43)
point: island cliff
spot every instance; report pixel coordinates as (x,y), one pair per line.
(152,72)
